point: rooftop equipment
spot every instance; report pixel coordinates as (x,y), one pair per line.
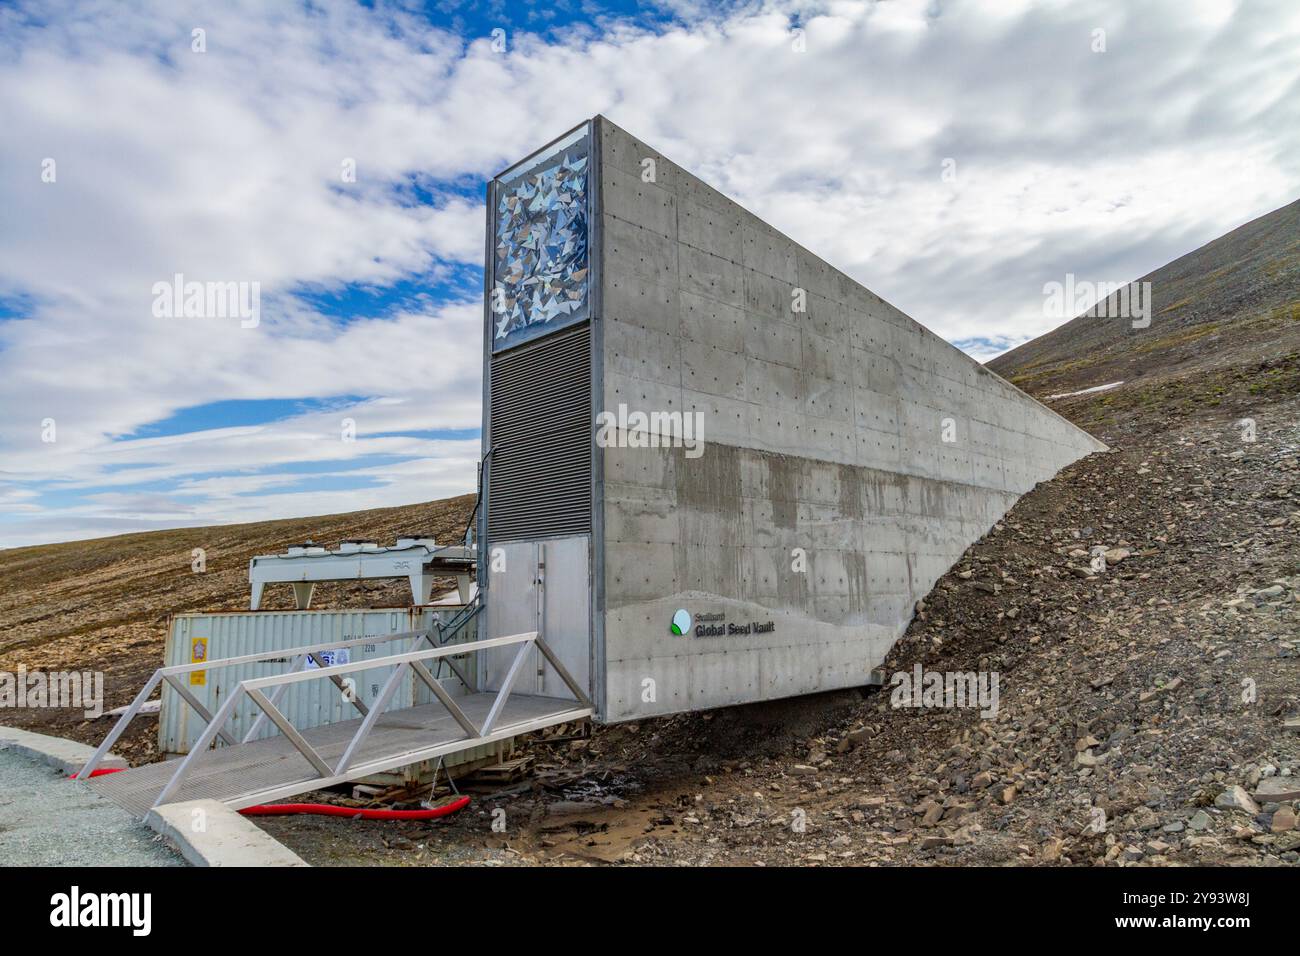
(419,560)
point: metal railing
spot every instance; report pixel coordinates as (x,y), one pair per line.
(347,766)
(301,656)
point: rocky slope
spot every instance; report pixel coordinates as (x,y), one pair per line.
(1142,611)
(1230,305)
(1147,710)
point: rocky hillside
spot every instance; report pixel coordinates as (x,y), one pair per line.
(1142,611)
(1225,329)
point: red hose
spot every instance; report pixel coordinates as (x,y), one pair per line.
(330,810)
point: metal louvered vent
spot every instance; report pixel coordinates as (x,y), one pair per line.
(539,482)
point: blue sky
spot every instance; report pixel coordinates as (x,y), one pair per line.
(131,156)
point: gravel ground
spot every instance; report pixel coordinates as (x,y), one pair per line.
(47,820)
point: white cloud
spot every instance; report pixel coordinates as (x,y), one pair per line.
(226,166)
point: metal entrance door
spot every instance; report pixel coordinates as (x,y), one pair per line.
(542,586)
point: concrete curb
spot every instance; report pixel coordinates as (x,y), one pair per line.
(226,838)
(67,755)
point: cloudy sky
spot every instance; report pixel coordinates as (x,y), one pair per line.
(128,156)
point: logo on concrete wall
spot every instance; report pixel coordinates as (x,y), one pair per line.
(681,622)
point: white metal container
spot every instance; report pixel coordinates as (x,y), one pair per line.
(197,637)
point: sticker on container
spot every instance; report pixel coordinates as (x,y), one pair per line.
(198,654)
(330,658)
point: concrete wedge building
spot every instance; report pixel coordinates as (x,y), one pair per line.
(717,470)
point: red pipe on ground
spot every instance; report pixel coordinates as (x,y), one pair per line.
(329,810)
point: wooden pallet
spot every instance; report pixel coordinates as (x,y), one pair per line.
(505,772)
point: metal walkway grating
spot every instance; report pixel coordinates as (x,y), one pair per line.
(263,771)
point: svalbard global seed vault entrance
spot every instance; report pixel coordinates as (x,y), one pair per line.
(686,411)
(715,470)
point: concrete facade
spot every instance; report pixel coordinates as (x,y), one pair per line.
(850,455)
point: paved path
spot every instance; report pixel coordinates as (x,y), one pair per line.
(48,820)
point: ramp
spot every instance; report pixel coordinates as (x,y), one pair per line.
(248,772)
(267,770)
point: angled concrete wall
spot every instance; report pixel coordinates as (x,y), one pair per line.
(824,437)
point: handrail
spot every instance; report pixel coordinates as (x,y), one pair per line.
(411,660)
(404,658)
(167,673)
(462,617)
(221,662)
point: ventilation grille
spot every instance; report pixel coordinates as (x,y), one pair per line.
(539,479)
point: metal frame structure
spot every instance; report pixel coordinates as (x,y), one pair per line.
(350,766)
(419,562)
